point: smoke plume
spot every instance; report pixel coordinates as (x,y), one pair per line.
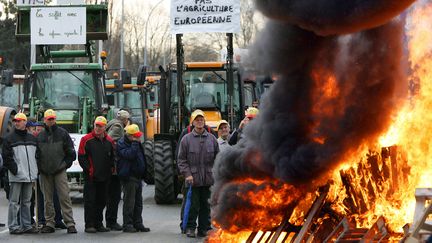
(334,94)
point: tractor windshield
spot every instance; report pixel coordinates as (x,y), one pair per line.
(208,90)
(11,96)
(63,89)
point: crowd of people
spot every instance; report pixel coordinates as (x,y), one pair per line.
(36,156)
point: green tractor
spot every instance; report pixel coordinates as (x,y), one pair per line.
(75,90)
(214,87)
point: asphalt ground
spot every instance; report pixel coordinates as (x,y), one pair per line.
(163,220)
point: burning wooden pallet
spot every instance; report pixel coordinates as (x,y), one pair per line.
(346,232)
(288,232)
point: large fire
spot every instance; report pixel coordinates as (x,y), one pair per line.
(378,180)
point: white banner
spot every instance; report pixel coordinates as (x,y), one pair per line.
(189,16)
(58,25)
(76,139)
(30,2)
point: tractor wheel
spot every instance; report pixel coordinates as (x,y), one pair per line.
(164,173)
(6,125)
(148,151)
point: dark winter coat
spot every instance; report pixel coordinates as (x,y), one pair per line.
(56,150)
(96,156)
(131,160)
(196,157)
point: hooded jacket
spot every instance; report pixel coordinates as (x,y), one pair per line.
(131,159)
(19,154)
(56,150)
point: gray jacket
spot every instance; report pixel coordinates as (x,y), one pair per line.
(115,129)
(19,154)
(197,153)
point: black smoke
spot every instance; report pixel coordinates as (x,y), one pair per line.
(302,133)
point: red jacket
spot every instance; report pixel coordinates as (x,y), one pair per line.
(96,156)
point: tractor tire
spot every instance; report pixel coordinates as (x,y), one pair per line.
(6,121)
(164,173)
(148,151)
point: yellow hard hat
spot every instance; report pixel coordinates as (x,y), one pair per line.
(50,113)
(100,120)
(197,113)
(220,123)
(251,112)
(20,117)
(133,130)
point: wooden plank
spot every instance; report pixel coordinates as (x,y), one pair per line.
(378,231)
(309,220)
(424,192)
(337,233)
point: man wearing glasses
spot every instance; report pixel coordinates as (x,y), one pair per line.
(56,154)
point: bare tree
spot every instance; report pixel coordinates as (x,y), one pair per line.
(248,24)
(158,38)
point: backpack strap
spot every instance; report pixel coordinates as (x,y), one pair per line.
(188,129)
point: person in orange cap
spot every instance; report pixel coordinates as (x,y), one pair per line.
(131,171)
(57,154)
(250,114)
(96,157)
(19,154)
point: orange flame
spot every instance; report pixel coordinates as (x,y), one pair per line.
(380,183)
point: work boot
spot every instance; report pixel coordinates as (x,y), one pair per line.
(60,225)
(15,232)
(47,229)
(129,229)
(190,233)
(90,230)
(202,233)
(71,230)
(115,227)
(31,230)
(141,228)
(102,229)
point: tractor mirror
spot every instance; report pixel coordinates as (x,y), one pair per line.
(125,76)
(7,77)
(141,75)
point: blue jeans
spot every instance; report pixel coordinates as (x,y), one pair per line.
(19,201)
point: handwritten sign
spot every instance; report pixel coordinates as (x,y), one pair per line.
(189,16)
(58,25)
(30,2)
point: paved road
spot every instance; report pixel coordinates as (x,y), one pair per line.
(162,220)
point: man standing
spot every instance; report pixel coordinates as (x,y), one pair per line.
(34,127)
(19,153)
(96,157)
(131,171)
(196,157)
(115,129)
(223,129)
(56,154)
(250,114)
